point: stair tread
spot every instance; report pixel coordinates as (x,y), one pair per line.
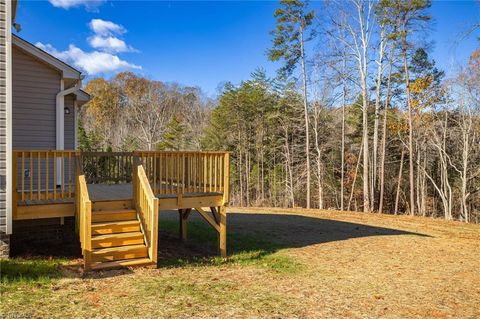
(121,263)
(115,223)
(111,215)
(118,249)
(117,235)
(114,211)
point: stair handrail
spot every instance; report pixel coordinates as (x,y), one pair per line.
(83,213)
(146,205)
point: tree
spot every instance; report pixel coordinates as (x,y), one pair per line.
(388,28)
(290,35)
(131,112)
(408,15)
(174,137)
(356,19)
(466,87)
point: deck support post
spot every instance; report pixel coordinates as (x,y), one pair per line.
(222,210)
(15,184)
(183,223)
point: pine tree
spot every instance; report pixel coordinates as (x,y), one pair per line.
(290,36)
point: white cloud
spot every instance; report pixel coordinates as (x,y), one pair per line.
(93,63)
(106,38)
(109,44)
(106,44)
(91,5)
(106,28)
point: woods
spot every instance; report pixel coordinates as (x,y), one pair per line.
(358,117)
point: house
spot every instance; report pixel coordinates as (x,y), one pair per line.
(40,101)
(109,200)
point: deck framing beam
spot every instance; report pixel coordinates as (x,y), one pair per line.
(219,224)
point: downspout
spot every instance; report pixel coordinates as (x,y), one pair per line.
(60,122)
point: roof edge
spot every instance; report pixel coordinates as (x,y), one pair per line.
(68,71)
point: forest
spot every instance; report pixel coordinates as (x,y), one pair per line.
(358,116)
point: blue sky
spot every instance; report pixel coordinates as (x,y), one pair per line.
(193,43)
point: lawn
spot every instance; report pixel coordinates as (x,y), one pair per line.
(283,263)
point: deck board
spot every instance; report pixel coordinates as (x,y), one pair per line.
(99,192)
(45,201)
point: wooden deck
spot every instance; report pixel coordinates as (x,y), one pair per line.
(113,194)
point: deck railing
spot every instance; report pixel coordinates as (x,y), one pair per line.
(187,172)
(43,174)
(147,209)
(50,174)
(108,167)
(83,207)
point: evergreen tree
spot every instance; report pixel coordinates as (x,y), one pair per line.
(290,36)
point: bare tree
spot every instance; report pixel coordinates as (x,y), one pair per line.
(358,25)
(379,61)
(151,112)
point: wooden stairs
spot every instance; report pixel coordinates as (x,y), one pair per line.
(117,237)
(117,233)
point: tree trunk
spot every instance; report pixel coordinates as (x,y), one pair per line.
(342,170)
(399,181)
(410,129)
(240,175)
(377,114)
(355,178)
(384,131)
(366,198)
(305,109)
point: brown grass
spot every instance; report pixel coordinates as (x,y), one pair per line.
(287,263)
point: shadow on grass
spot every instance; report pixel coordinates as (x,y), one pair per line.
(256,239)
(201,249)
(36,270)
(35,262)
(253,239)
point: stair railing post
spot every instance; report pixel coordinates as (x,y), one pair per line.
(135,180)
(226,181)
(88,235)
(154,229)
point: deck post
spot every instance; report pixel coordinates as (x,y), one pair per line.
(87,250)
(226,179)
(222,210)
(181,226)
(154,255)
(183,223)
(15,183)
